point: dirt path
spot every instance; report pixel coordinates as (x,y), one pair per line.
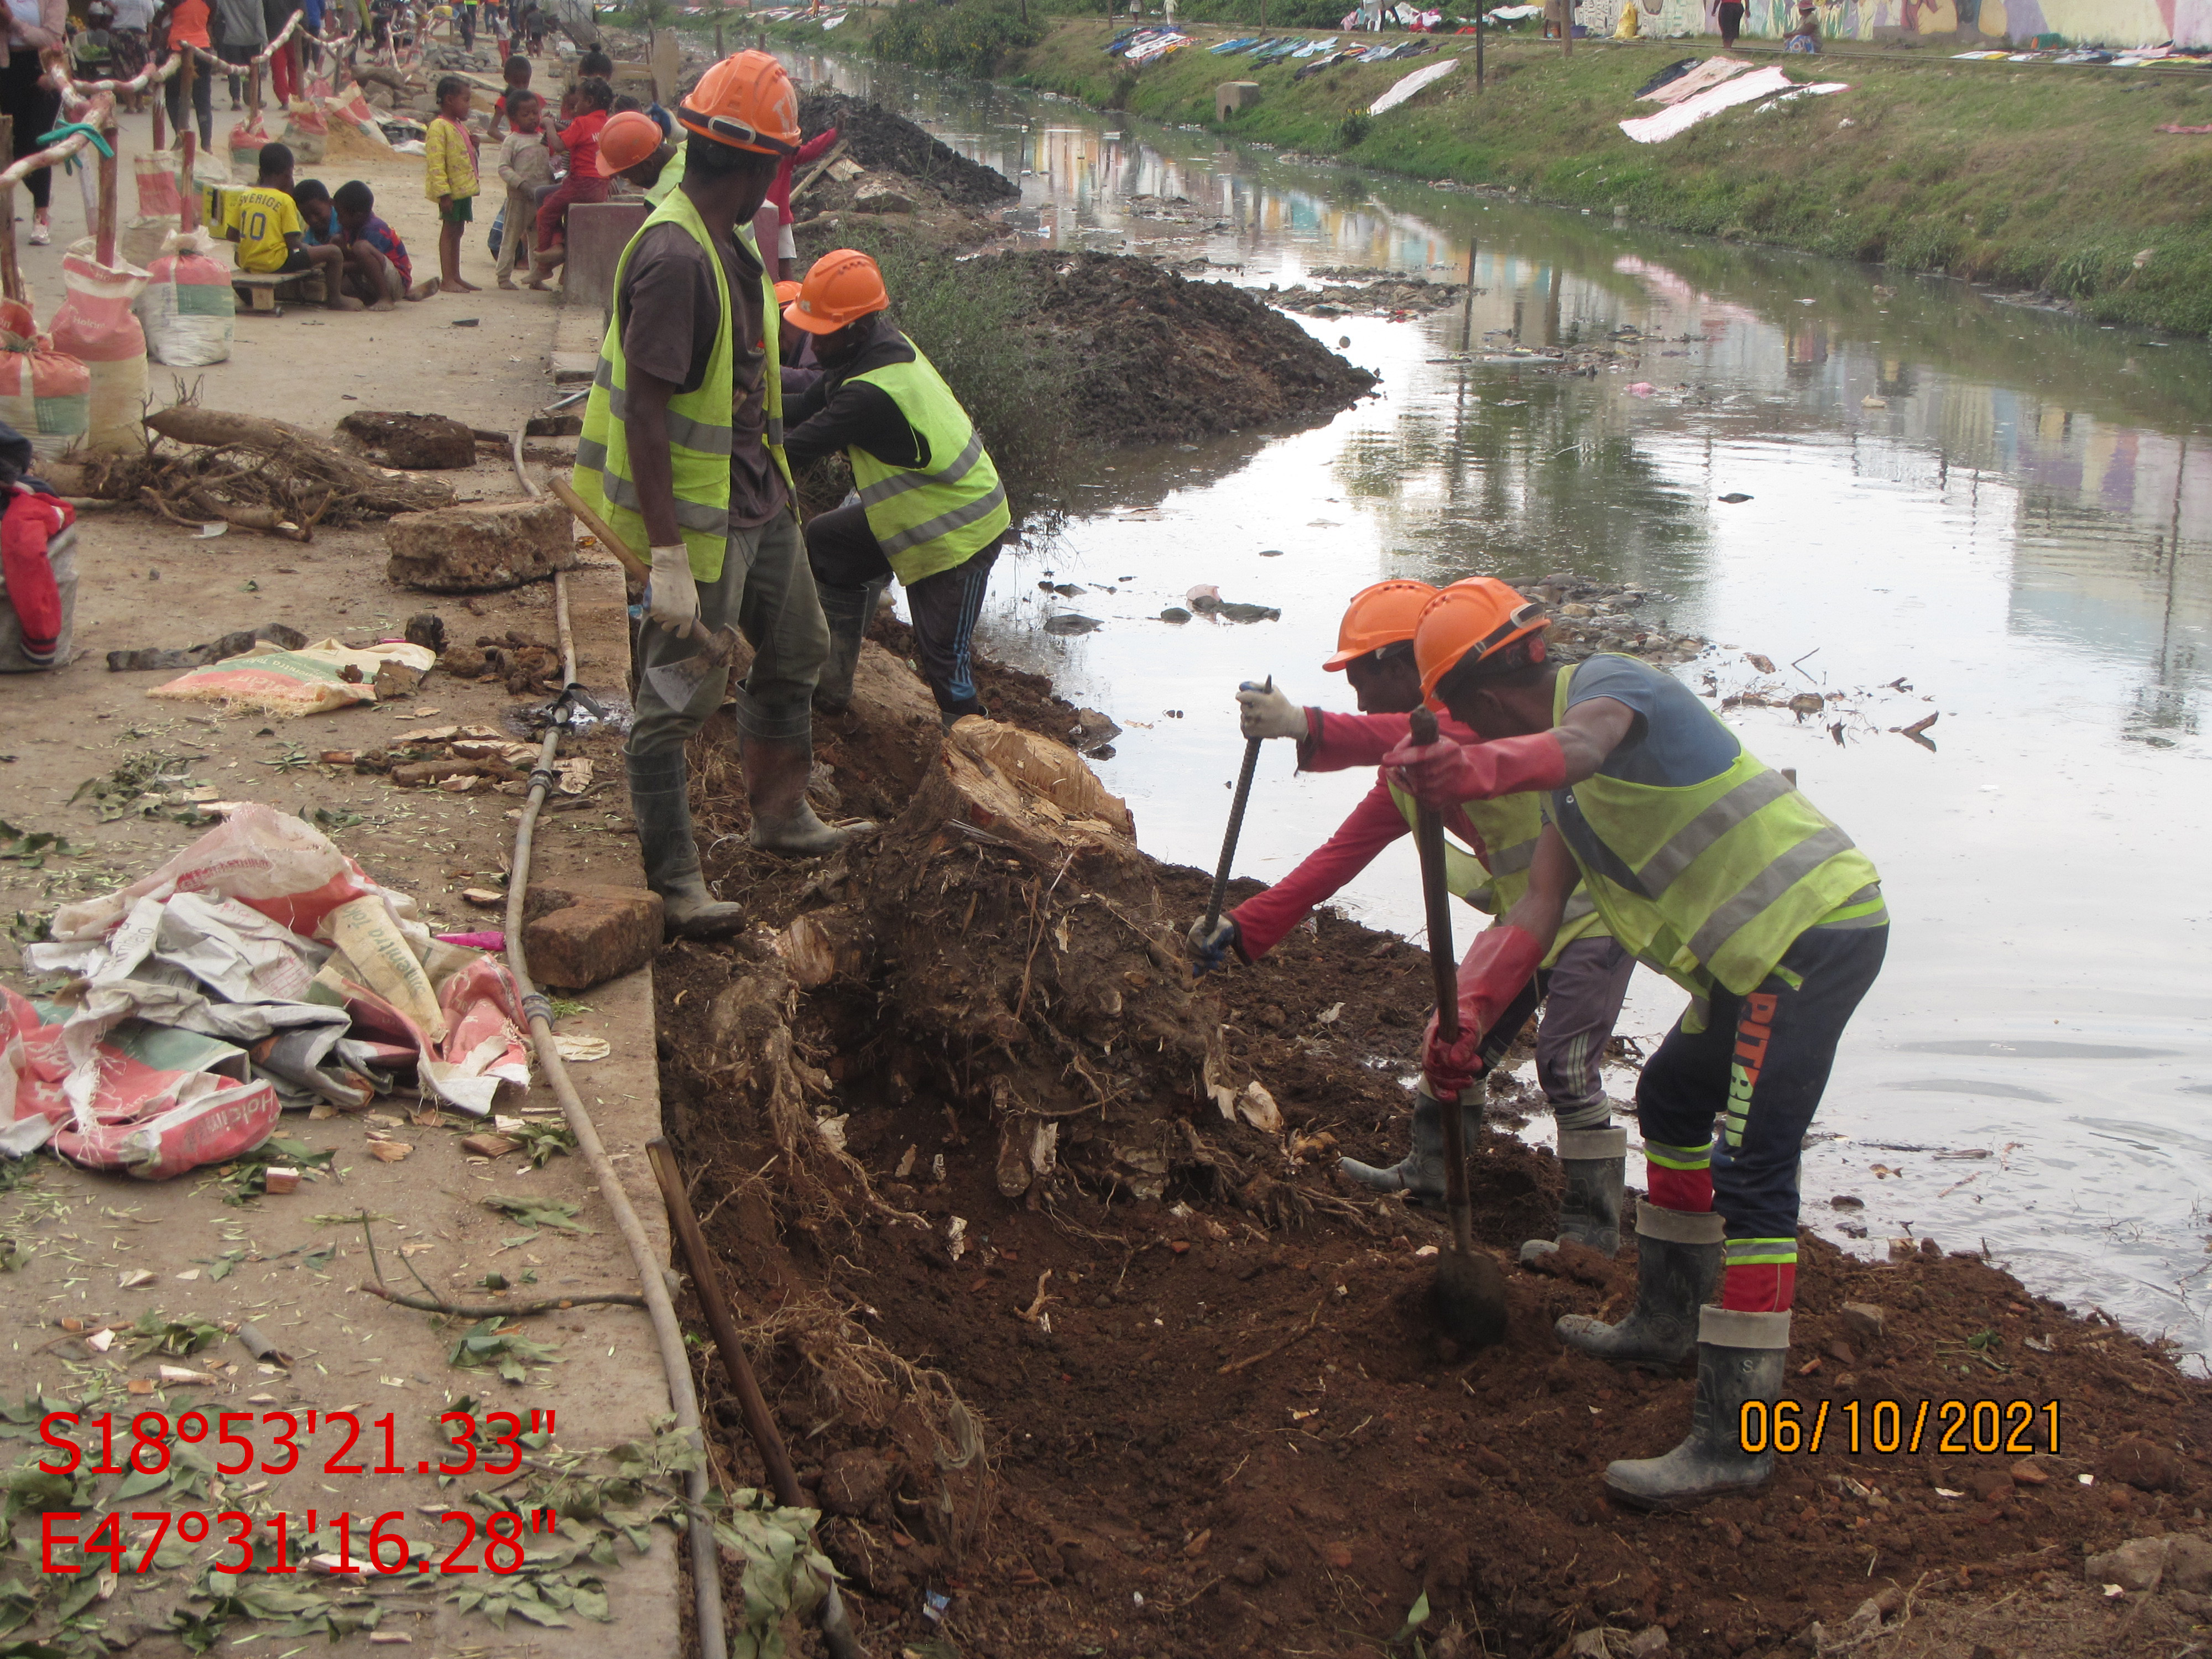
(184,1255)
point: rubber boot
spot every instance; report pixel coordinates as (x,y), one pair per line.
(776,775)
(1593,1161)
(661,801)
(848,610)
(1678,1267)
(1740,1359)
(1420,1174)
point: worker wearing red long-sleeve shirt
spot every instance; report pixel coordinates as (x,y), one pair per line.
(1487,851)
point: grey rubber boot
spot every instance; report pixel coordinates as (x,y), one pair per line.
(661,801)
(1678,1267)
(848,610)
(1740,1359)
(776,775)
(1420,1174)
(1594,1161)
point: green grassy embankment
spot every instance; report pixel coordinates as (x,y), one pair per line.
(2024,176)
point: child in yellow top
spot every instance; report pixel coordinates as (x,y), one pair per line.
(449,177)
(264,221)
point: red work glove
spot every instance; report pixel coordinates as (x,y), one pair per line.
(1443,774)
(1499,963)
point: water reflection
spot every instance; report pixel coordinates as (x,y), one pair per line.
(1954,506)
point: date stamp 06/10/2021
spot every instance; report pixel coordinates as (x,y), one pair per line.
(140,1444)
(1948,1428)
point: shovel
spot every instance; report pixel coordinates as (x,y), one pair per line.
(1470,1290)
(674,683)
(1235,824)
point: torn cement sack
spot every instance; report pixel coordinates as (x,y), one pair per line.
(188,309)
(310,681)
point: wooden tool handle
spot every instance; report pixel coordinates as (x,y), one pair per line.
(1428,841)
(597,526)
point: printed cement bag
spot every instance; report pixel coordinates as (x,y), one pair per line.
(311,681)
(247,139)
(188,309)
(156,172)
(45,394)
(95,326)
(348,113)
(306,133)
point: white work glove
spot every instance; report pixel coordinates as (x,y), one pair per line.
(671,599)
(1263,712)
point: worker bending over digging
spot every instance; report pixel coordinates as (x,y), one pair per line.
(931,510)
(1583,975)
(676,454)
(1714,869)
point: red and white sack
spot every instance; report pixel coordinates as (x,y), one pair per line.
(247,139)
(350,107)
(307,131)
(45,394)
(95,326)
(156,172)
(188,309)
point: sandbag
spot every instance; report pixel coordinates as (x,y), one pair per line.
(188,309)
(306,134)
(45,394)
(95,326)
(156,172)
(139,242)
(247,139)
(351,119)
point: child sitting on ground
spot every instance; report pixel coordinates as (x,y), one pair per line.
(38,564)
(312,198)
(373,249)
(449,177)
(264,221)
(526,168)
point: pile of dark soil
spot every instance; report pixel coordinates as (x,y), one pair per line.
(1160,359)
(884,142)
(1213,1411)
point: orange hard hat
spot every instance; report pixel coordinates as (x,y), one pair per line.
(745,102)
(786,292)
(841,287)
(1378,616)
(1477,617)
(627,138)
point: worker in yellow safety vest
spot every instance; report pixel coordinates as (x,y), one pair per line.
(1580,982)
(931,509)
(680,453)
(1713,869)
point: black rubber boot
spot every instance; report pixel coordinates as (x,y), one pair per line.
(1740,1359)
(1678,1267)
(776,776)
(1420,1174)
(1593,1161)
(848,610)
(661,801)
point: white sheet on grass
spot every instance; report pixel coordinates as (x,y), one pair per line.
(1744,89)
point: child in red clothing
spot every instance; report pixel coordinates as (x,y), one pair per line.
(37,569)
(580,142)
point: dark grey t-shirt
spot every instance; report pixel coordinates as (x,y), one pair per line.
(669,317)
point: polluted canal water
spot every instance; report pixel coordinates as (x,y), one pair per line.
(1945,505)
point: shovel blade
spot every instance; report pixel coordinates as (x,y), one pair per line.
(677,683)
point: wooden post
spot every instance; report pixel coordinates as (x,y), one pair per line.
(186,71)
(253,95)
(188,190)
(1566,28)
(718,40)
(11,274)
(1477,43)
(110,187)
(161,117)
(1467,328)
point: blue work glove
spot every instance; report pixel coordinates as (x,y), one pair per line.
(1211,948)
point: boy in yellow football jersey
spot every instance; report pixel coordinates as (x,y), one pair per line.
(264,221)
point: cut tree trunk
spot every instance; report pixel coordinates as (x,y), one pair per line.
(311,461)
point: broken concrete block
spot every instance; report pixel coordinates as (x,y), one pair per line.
(395,678)
(1864,1321)
(418,441)
(883,201)
(582,935)
(1231,97)
(480,546)
(2188,1563)
(2136,1564)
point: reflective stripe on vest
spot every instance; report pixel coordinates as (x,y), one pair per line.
(1714,880)
(700,434)
(928,520)
(1509,827)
